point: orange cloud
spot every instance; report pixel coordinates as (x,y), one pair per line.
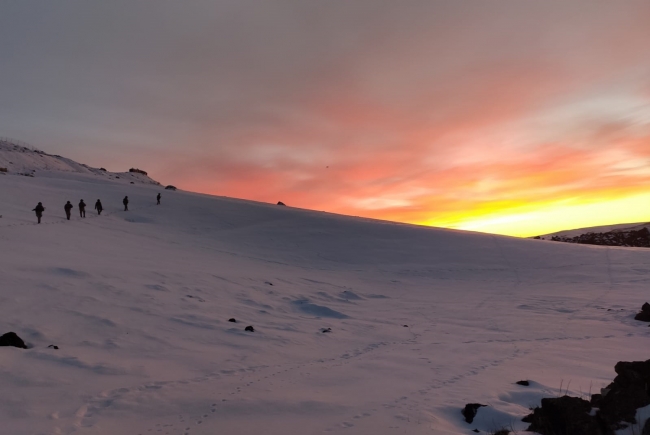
(447,186)
(413,119)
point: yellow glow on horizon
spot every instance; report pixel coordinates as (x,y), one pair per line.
(548,218)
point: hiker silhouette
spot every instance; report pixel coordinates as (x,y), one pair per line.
(125,201)
(158,199)
(98,207)
(39,209)
(82,209)
(67,207)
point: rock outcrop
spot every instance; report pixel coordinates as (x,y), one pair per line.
(635,238)
(613,409)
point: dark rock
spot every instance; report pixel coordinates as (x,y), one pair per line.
(232,319)
(51,346)
(249,329)
(629,391)
(502,432)
(616,406)
(132,182)
(646,428)
(634,372)
(406,326)
(470,410)
(620,405)
(475,430)
(326,330)
(281,203)
(102,169)
(565,416)
(644,314)
(11,339)
(170,187)
(524,383)
(268,283)
(595,400)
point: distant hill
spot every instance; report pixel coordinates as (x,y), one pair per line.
(17,158)
(631,234)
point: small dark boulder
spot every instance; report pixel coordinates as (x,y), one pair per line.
(326,330)
(170,187)
(51,346)
(524,383)
(281,203)
(406,326)
(644,314)
(232,319)
(470,410)
(11,339)
(249,329)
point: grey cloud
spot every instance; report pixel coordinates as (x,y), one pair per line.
(91,77)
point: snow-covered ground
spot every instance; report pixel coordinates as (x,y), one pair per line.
(422,320)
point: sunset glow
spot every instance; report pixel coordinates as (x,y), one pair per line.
(517,118)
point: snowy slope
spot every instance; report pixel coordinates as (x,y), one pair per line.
(19,159)
(423,320)
(600,229)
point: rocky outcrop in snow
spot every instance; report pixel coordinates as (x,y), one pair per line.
(13,340)
(18,158)
(470,410)
(633,238)
(615,408)
(644,314)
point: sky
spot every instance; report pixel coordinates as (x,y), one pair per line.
(502,116)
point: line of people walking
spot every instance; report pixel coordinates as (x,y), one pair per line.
(39,209)
(82,208)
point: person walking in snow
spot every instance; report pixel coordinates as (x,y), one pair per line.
(39,209)
(67,207)
(98,207)
(158,199)
(82,209)
(125,201)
